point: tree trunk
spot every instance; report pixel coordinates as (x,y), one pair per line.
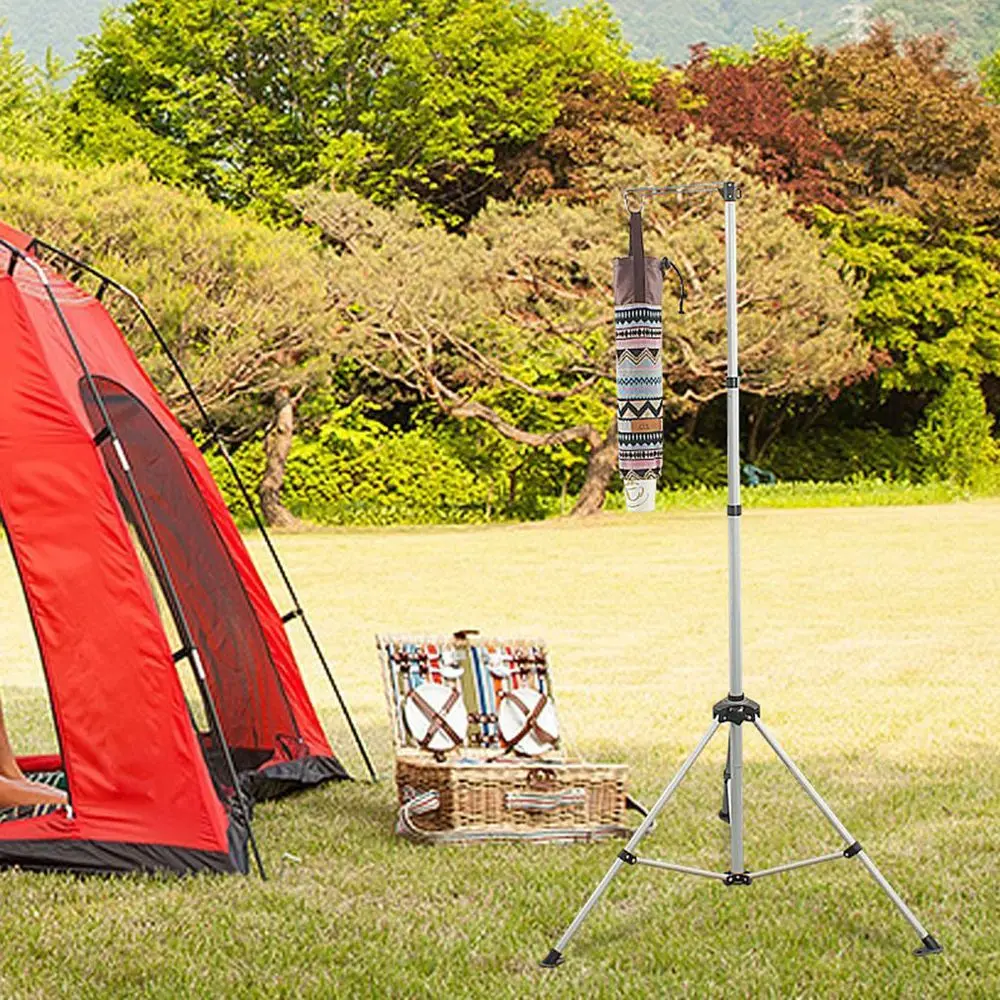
(512,488)
(277,444)
(601,469)
(690,423)
(776,426)
(757,410)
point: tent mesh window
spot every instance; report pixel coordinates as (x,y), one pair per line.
(243,681)
(189,685)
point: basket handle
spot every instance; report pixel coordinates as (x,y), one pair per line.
(545,801)
(542,779)
(417,804)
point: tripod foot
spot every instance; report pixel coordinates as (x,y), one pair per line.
(929,947)
(554,958)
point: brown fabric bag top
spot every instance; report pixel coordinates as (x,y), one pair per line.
(625,282)
(638,278)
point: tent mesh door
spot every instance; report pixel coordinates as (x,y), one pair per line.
(242,678)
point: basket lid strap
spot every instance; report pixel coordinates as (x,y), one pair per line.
(531,720)
(437,719)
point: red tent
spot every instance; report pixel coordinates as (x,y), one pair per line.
(110,510)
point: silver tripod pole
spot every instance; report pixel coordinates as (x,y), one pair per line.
(736,709)
(734,511)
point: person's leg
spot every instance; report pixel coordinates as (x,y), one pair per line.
(8,762)
(15,792)
(15,788)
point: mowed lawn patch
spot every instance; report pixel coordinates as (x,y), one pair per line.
(871,642)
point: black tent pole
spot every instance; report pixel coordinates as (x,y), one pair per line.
(297,610)
(190,649)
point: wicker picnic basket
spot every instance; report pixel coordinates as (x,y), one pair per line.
(516,800)
(476,793)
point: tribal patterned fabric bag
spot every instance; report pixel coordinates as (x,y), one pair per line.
(639,367)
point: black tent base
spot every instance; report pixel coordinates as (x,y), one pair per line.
(93,857)
(291,776)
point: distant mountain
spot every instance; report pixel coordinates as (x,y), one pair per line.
(975,24)
(37,25)
(656,28)
(668,28)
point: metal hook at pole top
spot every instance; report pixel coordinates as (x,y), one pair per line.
(635,201)
(636,198)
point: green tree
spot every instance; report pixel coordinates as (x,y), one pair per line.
(510,326)
(15,90)
(29,101)
(390,97)
(87,130)
(39,120)
(955,440)
(989,73)
(786,45)
(932,305)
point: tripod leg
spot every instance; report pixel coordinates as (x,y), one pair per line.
(727,774)
(928,946)
(555,956)
(736,864)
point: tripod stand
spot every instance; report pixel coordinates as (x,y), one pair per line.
(736,710)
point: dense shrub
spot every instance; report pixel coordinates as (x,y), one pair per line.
(393,477)
(354,470)
(955,441)
(692,463)
(367,475)
(838,455)
(249,461)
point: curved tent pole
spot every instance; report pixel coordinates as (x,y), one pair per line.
(190,650)
(297,610)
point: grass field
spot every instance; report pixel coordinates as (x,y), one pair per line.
(871,642)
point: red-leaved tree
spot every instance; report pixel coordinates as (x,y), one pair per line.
(751,108)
